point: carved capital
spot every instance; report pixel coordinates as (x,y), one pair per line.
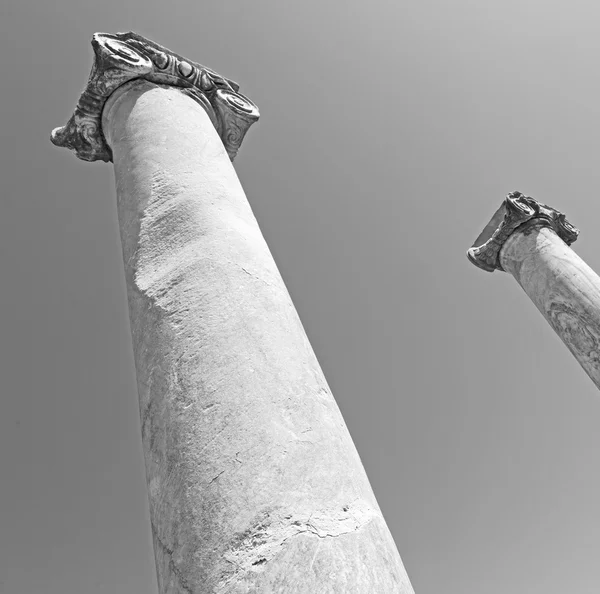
(516,210)
(123,57)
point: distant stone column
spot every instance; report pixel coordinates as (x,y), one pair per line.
(531,241)
(254,483)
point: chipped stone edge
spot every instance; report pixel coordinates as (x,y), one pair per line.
(516,211)
(265,541)
(123,57)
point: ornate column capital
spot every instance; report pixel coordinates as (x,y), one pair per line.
(123,57)
(516,210)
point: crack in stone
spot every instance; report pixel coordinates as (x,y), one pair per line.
(216,477)
(251,551)
(172,567)
(256,277)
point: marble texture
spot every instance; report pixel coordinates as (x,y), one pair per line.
(530,240)
(562,286)
(254,483)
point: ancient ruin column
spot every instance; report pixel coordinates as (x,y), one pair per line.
(254,483)
(531,241)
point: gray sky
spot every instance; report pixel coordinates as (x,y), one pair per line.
(389,134)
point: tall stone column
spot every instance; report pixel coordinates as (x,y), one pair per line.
(531,241)
(254,483)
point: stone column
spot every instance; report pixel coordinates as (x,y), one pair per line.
(531,241)
(254,483)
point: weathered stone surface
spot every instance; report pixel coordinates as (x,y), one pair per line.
(516,210)
(530,241)
(123,57)
(562,286)
(254,483)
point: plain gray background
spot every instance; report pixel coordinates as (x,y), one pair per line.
(390,132)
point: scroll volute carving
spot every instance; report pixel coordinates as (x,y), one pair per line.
(516,211)
(123,57)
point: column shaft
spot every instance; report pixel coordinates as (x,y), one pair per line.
(254,483)
(562,286)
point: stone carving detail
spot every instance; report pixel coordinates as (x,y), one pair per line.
(123,57)
(518,210)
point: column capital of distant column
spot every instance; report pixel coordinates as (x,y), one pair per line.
(517,212)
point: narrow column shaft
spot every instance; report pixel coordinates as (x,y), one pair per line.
(531,241)
(254,482)
(562,286)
